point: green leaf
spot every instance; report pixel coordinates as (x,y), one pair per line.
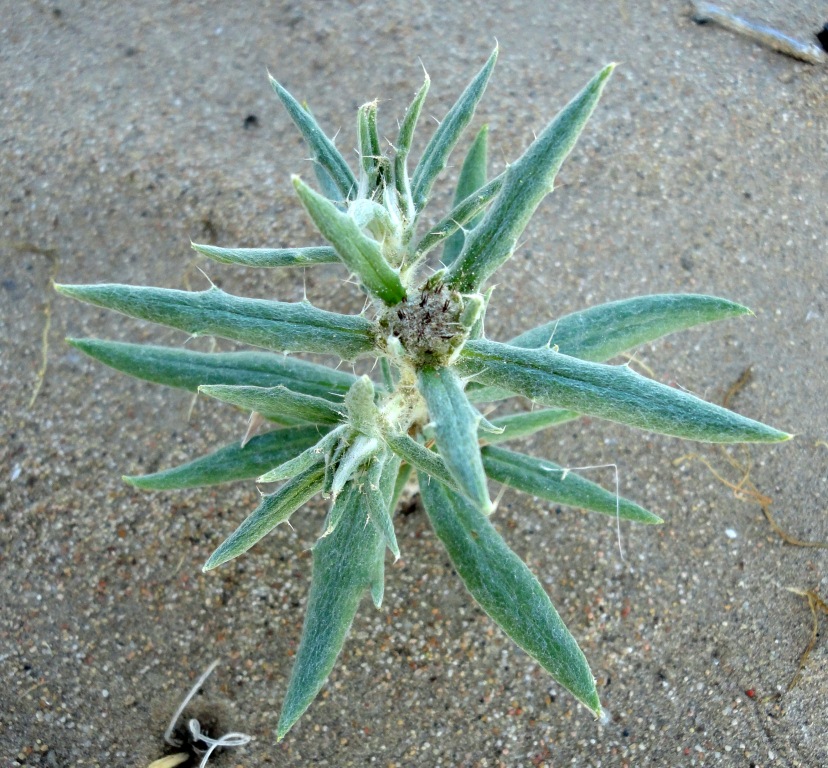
(369,147)
(455,428)
(460,215)
(399,485)
(322,148)
(401,181)
(412,115)
(381,478)
(435,155)
(602,332)
(360,253)
(613,392)
(269,257)
(378,580)
(276,325)
(517,425)
(316,454)
(277,403)
(507,591)
(344,567)
(528,180)
(232,462)
(552,482)
(419,457)
(326,183)
(359,452)
(363,414)
(471,180)
(274,509)
(188,369)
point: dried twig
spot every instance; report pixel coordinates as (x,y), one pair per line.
(811,53)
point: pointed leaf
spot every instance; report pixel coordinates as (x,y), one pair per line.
(323,150)
(326,183)
(455,428)
(360,253)
(460,215)
(517,425)
(276,325)
(187,369)
(403,475)
(369,147)
(528,180)
(602,332)
(269,257)
(232,462)
(613,392)
(421,458)
(274,509)
(505,588)
(378,580)
(412,115)
(438,149)
(381,479)
(472,179)
(316,454)
(552,482)
(358,453)
(344,567)
(401,181)
(277,403)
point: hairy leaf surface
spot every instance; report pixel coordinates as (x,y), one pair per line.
(275,325)
(507,590)
(613,392)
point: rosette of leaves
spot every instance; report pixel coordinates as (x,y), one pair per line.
(356,440)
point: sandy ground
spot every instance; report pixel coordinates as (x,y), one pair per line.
(704,170)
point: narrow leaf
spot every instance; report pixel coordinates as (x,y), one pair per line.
(602,332)
(369,147)
(276,325)
(360,253)
(378,579)
(269,257)
(316,454)
(517,425)
(344,567)
(412,115)
(187,369)
(613,392)
(419,457)
(403,475)
(277,403)
(460,215)
(326,183)
(505,588)
(455,429)
(472,178)
(435,155)
(323,150)
(401,181)
(381,482)
(358,453)
(232,462)
(274,509)
(528,180)
(551,482)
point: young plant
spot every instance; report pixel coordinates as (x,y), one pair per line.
(355,440)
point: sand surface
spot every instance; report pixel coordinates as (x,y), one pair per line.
(125,133)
